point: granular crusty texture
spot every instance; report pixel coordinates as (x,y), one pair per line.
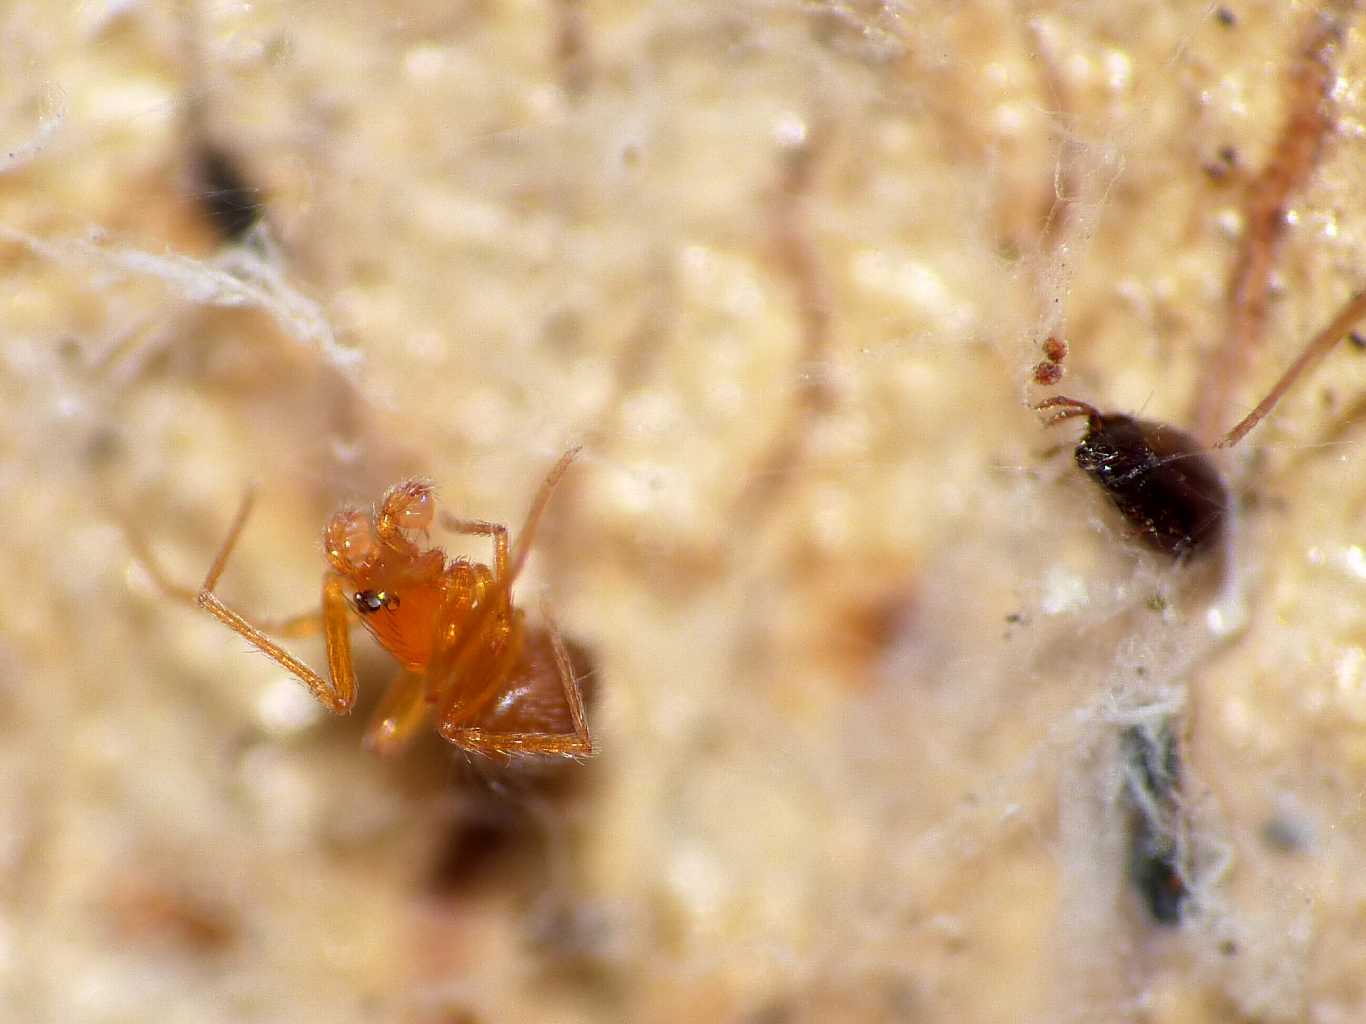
(863,642)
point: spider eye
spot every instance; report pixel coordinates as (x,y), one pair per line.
(373,600)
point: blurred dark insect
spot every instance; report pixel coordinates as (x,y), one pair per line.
(229,203)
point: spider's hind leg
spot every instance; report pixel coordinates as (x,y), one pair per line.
(540,709)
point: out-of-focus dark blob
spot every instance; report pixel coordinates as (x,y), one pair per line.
(483,837)
(1152,789)
(1161,480)
(507,809)
(228,201)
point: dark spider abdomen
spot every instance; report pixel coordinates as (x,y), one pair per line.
(1159,478)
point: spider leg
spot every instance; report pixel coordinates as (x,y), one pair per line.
(480,528)
(573,693)
(1318,347)
(455,657)
(337,695)
(472,673)
(470,680)
(304,624)
(337,633)
(504,744)
(524,705)
(400,715)
(142,554)
(533,516)
(467,625)
(1068,409)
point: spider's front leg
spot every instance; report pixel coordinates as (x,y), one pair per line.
(338,694)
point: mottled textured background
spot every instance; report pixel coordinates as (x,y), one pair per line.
(862,638)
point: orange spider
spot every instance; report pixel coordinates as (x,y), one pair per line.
(496,684)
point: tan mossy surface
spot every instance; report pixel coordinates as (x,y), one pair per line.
(857,734)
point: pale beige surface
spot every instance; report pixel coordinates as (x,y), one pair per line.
(835,783)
